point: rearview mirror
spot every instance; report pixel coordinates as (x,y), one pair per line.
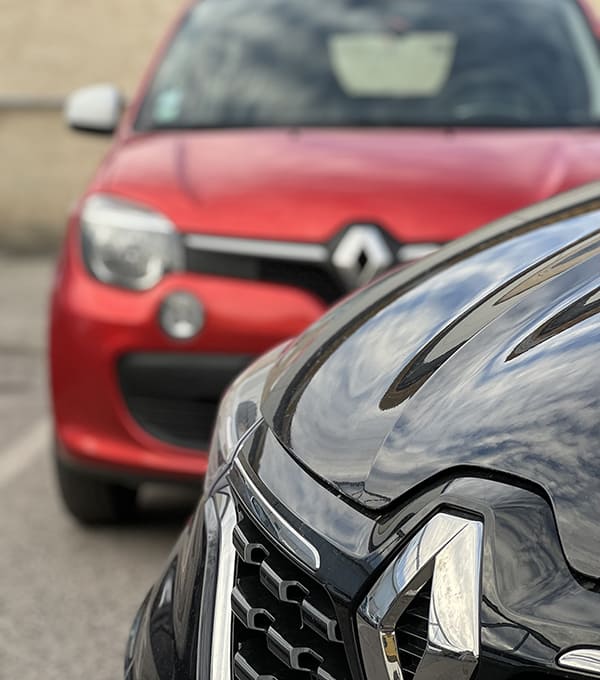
(97,108)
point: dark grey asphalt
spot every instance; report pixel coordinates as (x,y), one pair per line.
(67,594)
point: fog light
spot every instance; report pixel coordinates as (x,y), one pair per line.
(181,316)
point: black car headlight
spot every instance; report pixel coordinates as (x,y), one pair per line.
(128,245)
(239,413)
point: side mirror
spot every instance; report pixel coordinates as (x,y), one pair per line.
(97,108)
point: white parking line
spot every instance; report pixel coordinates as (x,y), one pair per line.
(18,456)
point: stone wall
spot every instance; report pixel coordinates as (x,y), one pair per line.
(47,49)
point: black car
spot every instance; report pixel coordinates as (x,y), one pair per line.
(410,488)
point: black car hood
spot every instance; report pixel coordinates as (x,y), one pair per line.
(482,360)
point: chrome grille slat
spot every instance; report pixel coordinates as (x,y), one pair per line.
(420,617)
(286,590)
(323,625)
(244,671)
(322,674)
(297,637)
(412,633)
(419,639)
(410,652)
(296,658)
(254,618)
(285,624)
(250,663)
(251,553)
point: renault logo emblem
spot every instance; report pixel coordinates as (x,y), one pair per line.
(361,255)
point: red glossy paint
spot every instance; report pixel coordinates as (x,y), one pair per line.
(421,185)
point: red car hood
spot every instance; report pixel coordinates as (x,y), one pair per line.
(305,185)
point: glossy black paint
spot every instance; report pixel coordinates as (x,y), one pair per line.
(164,639)
(466,360)
(468,385)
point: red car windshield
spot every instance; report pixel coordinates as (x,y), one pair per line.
(297,63)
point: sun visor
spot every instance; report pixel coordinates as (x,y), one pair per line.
(416,64)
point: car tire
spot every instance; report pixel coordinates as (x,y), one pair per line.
(92,500)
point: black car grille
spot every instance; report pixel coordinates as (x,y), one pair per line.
(285,624)
(411,632)
(318,279)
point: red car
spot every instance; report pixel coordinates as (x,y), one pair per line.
(279,154)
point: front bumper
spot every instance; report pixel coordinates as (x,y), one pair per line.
(270,579)
(124,394)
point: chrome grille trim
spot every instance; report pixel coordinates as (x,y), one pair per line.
(290,250)
(271,521)
(247,247)
(214,639)
(587,660)
(352,258)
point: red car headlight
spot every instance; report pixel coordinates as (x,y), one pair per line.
(128,245)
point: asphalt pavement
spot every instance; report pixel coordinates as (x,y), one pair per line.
(67,593)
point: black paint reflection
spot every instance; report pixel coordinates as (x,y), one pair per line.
(443,347)
(507,380)
(510,416)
